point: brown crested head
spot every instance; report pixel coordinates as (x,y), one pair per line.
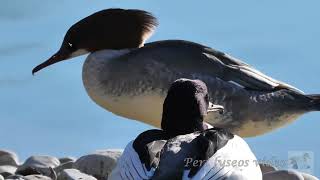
(106,29)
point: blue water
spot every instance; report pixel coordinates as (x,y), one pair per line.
(50,113)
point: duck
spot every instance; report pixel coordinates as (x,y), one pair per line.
(130,78)
(186,147)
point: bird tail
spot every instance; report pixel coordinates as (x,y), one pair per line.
(315,101)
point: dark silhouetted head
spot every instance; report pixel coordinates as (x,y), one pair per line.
(107,29)
(185,107)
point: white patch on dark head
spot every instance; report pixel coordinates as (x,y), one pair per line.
(78,52)
(237,84)
(108,54)
(146,36)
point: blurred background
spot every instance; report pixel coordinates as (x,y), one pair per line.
(51,114)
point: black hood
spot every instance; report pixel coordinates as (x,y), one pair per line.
(185,107)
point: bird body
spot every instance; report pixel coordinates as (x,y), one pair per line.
(133,83)
(186,147)
(234,160)
(111,87)
(130,78)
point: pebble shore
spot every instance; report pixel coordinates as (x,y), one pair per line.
(95,166)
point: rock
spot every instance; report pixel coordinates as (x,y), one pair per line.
(283,175)
(8,158)
(37,177)
(74,174)
(308,177)
(288,175)
(39,165)
(15,177)
(67,159)
(267,168)
(1,177)
(67,165)
(29,177)
(100,164)
(7,170)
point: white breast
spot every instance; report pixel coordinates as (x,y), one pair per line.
(145,107)
(234,161)
(94,64)
(130,167)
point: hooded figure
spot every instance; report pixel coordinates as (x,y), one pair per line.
(175,152)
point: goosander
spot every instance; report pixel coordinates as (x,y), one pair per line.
(187,147)
(130,78)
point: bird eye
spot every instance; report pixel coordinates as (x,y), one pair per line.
(70,46)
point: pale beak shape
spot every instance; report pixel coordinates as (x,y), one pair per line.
(215,108)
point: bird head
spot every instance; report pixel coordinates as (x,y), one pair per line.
(107,29)
(186,105)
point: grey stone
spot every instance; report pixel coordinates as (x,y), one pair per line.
(67,159)
(37,177)
(29,177)
(288,175)
(39,165)
(265,168)
(15,177)
(74,174)
(100,164)
(67,165)
(7,170)
(8,158)
(283,175)
(308,177)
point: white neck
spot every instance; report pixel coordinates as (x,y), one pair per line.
(94,62)
(107,54)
